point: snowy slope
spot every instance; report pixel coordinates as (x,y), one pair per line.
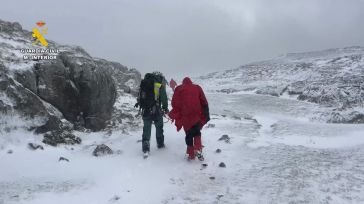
(332,78)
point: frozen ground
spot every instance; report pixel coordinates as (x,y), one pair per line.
(275,155)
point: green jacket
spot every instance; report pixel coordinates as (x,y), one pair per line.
(163,99)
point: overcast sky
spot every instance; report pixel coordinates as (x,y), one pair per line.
(193,37)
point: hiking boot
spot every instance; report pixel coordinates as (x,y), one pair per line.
(199,155)
(145,146)
(146,154)
(162,146)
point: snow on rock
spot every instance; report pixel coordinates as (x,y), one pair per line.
(102,150)
(75,86)
(58,137)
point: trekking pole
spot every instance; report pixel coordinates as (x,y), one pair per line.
(167,117)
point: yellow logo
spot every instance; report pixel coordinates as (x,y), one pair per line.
(39,38)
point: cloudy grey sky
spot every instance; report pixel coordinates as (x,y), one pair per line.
(193,37)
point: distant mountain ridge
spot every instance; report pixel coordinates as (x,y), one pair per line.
(333,78)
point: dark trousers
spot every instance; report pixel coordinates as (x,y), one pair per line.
(147,130)
(193,132)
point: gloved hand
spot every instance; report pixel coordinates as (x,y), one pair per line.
(206,113)
(136,105)
(165,110)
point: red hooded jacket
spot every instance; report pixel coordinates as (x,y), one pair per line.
(187,105)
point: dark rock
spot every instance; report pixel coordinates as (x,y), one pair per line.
(296,88)
(283,90)
(74,88)
(126,80)
(115,198)
(225,138)
(53,123)
(10,151)
(4,108)
(218,151)
(109,132)
(236,117)
(222,165)
(204,165)
(7,129)
(210,125)
(4,85)
(33,146)
(28,79)
(354,117)
(212,178)
(57,137)
(63,159)
(10,27)
(102,150)
(227,91)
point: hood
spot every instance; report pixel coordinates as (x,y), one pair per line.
(186,81)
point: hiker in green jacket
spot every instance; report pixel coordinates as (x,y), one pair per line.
(153,102)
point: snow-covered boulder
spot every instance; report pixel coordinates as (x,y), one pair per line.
(102,150)
(58,137)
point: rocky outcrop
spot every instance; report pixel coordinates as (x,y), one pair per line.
(126,80)
(81,92)
(75,86)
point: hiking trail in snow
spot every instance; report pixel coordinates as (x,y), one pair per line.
(275,154)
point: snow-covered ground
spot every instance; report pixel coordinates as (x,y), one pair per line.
(275,155)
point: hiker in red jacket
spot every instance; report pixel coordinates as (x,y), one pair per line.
(190,111)
(173,84)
